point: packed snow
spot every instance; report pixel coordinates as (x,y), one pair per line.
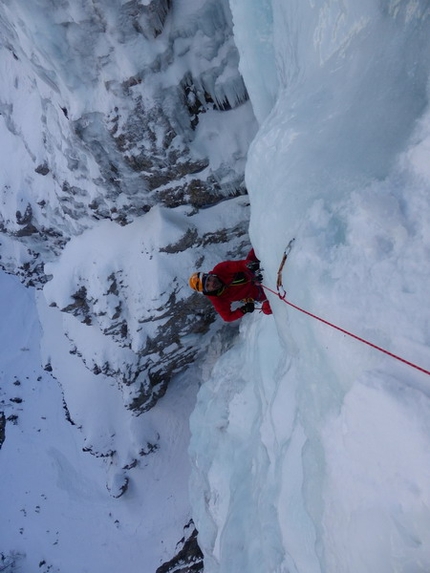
(300,449)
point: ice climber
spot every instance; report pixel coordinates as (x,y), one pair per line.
(230,282)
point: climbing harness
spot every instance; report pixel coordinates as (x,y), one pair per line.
(281,293)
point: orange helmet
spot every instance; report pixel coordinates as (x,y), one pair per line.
(197,281)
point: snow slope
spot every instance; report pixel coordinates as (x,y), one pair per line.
(316,456)
(60,510)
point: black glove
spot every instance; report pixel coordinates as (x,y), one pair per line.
(253,266)
(258,278)
(248,307)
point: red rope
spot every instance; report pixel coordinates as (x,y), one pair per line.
(363,340)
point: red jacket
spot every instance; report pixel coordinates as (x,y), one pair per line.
(243,288)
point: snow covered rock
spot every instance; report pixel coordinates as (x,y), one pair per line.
(113,110)
(113,116)
(118,484)
(133,316)
(189,558)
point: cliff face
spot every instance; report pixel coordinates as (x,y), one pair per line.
(127,121)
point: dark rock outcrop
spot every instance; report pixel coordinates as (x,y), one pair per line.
(2,428)
(189,558)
